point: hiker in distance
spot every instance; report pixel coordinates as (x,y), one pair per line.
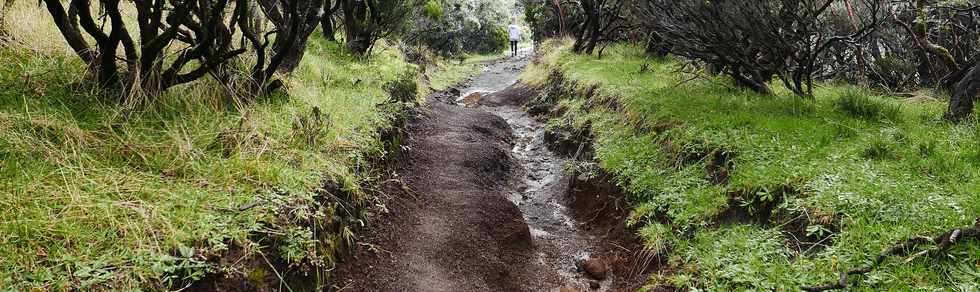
(515,35)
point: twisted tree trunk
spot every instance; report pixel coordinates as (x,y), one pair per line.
(589,32)
(355,26)
(556,5)
(862,77)
(920,31)
(328,30)
(66,23)
(298,19)
(964,93)
(326,22)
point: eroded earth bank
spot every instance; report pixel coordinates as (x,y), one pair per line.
(480,203)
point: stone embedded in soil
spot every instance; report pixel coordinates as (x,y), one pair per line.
(595,268)
(472,99)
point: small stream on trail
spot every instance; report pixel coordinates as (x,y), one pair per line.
(541,182)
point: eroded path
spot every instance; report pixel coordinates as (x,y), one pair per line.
(485,205)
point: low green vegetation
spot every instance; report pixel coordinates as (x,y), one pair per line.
(101,196)
(452,28)
(94,195)
(450,72)
(745,191)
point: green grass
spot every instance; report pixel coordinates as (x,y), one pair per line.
(870,170)
(97,197)
(859,105)
(451,72)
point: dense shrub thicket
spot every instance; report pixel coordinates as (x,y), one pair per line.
(888,45)
(455,27)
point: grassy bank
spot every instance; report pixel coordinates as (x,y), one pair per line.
(95,196)
(742,191)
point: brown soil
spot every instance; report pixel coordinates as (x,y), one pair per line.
(600,204)
(252,271)
(460,214)
(514,95)
(597,203)
(454,230)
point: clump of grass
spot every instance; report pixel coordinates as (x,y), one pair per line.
(928,148)
(858,104)
(311,127)
(844,131)
(559,87)
(880,148)
(404,88)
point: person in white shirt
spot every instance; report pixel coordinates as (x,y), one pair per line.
(515,36)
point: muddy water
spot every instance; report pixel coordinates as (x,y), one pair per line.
(541,182)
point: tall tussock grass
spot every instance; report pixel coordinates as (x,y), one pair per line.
(102,194)
(862,105)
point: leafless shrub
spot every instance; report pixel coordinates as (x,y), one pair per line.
(179,41)
(753,41)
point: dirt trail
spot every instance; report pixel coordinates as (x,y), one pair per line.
(485,206)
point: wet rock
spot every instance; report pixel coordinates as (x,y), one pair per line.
(472,99)
(595,268)
(448,95)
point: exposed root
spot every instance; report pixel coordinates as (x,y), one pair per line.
(570,142)
(943,243)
